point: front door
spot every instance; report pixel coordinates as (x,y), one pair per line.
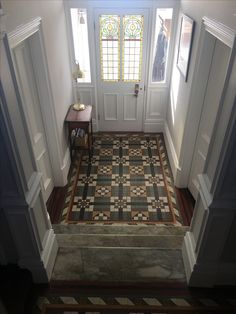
(121,54)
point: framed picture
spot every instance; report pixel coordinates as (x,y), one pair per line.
(185,43)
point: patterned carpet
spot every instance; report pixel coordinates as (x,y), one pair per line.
(128,180)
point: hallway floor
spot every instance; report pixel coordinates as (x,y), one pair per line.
(128,180)
(132,252)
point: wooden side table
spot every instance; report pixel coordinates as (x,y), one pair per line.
(80,119)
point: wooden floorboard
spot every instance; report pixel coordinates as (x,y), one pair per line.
(186,204)
(55,203)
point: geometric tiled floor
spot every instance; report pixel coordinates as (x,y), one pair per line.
(127,180)
(166,302)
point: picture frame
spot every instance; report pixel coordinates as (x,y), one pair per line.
(185,45)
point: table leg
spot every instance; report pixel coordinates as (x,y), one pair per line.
(91,129)
(70,143)
(89,142)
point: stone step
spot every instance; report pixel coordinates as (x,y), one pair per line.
(121,229)
(118,265)
(120,241)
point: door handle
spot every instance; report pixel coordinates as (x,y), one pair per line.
(136,90)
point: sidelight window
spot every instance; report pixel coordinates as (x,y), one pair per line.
(81,45)
(161,44)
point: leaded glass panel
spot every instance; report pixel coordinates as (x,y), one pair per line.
(132,47)
(109,47)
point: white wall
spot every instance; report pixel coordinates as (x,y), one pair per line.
(56,45)
(223,11)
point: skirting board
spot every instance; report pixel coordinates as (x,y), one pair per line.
(65,167)
(50,252)
(153,126)
(174,162)
(188,254)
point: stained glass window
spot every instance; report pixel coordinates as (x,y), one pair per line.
(109,47)
(132,47)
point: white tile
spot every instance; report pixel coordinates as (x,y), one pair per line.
(97,301)
(180,302)
(68,300)
(124,301)
(152,301)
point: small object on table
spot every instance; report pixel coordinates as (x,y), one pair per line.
(80,119)
(79,107)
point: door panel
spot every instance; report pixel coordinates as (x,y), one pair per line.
(130,107)
(32,112)
(211,103)
(121,54)
(110,106)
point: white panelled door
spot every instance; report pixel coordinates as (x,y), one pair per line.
(121,40)
(31,109)
(213,93)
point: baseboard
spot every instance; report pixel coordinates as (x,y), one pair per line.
(174,162)
(65,167)
(154,126)
(188,255)
(50,252)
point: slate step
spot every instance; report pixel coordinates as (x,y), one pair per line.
(121,229)
(120,241)
(118,265)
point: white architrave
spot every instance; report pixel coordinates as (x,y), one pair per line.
(32,31)
(23,32)
(207,250)
(22,201)
(226,35)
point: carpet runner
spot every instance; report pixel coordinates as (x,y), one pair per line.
(127,180)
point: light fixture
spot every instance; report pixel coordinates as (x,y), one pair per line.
(81,18)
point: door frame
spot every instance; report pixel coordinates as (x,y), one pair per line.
(32,32)
(156,94)
(199,85)
(96,11)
